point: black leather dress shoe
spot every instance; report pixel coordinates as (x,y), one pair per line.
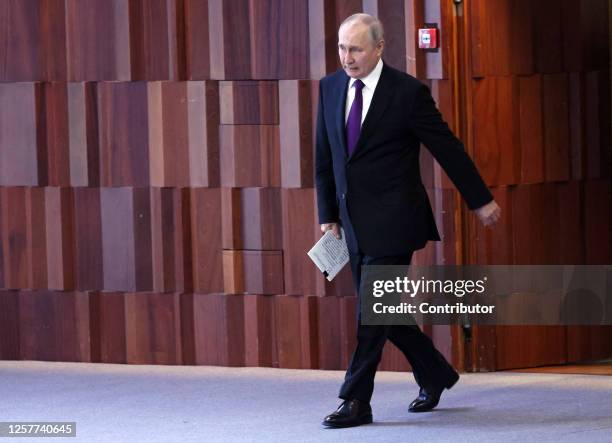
(349,413)
(430,397)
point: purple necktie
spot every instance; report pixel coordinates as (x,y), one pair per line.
(353,123)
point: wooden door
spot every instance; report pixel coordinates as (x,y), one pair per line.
(537,116)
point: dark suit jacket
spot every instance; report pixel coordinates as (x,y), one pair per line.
(377,193)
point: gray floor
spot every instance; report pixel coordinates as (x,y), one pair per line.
(121,403)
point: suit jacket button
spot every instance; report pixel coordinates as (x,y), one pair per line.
(343,196)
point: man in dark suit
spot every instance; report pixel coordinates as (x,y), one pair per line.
(371,121)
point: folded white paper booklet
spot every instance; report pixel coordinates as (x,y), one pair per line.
(330,254)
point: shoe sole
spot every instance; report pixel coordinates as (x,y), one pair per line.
(366,420)
(418,411)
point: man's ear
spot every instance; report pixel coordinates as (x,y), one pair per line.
(380,46)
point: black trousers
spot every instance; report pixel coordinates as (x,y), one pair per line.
(430,368)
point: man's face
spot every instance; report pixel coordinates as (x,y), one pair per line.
(358,53)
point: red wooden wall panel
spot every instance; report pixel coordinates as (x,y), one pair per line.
(153,328)
(83,143)
(263,272)
(296,108)
(206,240)
(522,33)
(21,37)
(22,161)
(496,129)
(297,347)
(233,272)
(57,133)
(59,222)
(108,327)
(329,333)
(33,35)
(598,222)
(171,242)
(322,50)
(249,103)
(2,236)
(230,36)
(511,50)
(556,124)
(273,57)
(88,239)
(249,155)
(255,272)
(54,326)
(219,329)
(203,126)
(588,343)
(98,40)
(548,40)
(36,238)
(126,237)
(9,325)
(197,40)
(531,136)
(571,239)
(252,240)
(516,347)
(597,118)
(123,134)
(259,331)
(168,133)
(14,238)
(300,232)
(576,112)
(156,31)
(261,219)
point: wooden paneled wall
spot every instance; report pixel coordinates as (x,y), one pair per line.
(156,168)
(156,181)
(539,99)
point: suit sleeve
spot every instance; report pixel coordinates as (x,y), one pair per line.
(427,124)
(326,188)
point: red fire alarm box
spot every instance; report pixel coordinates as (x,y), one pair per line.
(428,38)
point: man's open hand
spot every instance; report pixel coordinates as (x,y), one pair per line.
(334,227)
(489,213)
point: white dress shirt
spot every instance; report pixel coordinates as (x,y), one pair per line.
(370,81)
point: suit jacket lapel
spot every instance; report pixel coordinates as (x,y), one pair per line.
(340,111)
(380,101)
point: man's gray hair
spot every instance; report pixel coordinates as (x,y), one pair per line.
(375,26)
